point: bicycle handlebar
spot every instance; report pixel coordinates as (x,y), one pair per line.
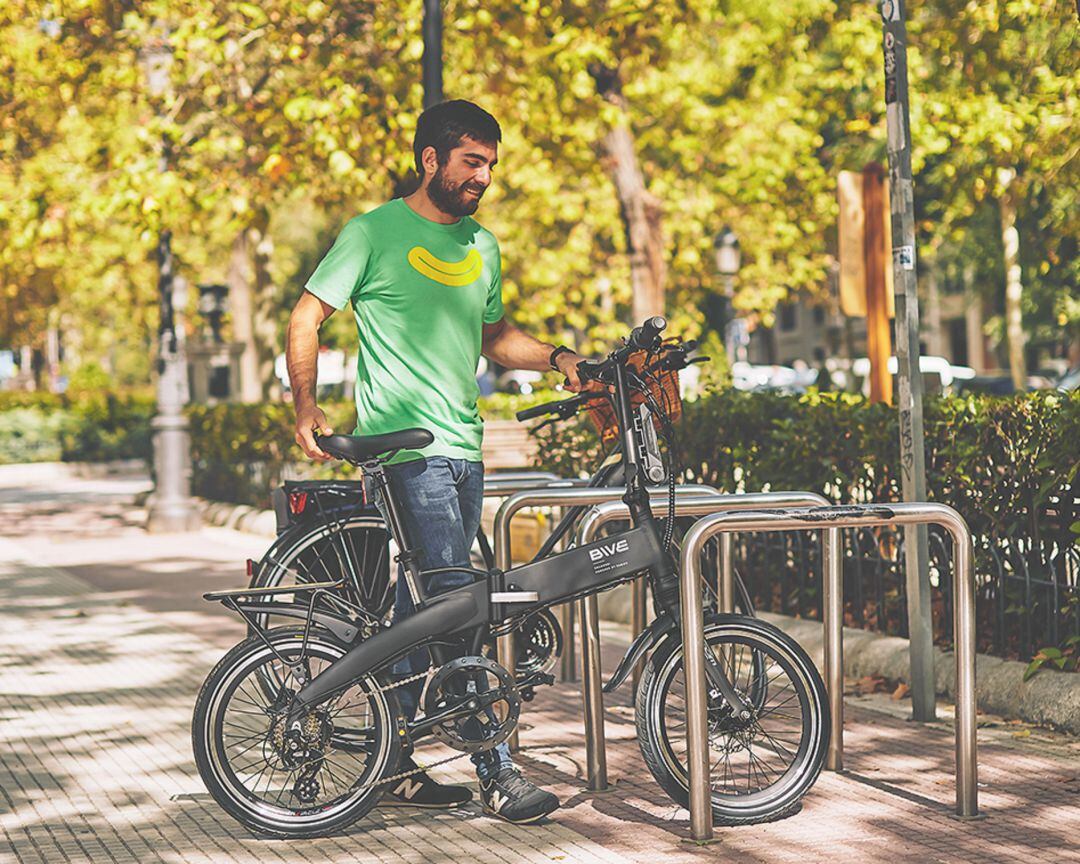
(644,337)
(562,408)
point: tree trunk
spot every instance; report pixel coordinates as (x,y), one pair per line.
(251,304)
(641,212)
(1014,288)
(240,279)
(973,322)
(264,327)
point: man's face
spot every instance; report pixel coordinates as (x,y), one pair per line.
(457,186)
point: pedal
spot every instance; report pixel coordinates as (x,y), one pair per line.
(531,682)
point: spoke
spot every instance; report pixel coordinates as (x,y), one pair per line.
(247,749)
(262,714)
(251,702)
(778,743)
(237,740)
(794,695)
(762,771)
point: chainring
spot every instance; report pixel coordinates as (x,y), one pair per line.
(454,684)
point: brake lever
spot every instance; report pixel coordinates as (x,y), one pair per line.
(550,421)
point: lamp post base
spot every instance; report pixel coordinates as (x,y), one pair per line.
(172,517)
(171,508)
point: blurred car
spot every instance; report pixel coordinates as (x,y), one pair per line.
(782,379)
(1069,381)
(939,375)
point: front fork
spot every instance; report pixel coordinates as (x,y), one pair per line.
(666,602)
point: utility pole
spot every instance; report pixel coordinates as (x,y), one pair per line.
(909,378)
(432,63)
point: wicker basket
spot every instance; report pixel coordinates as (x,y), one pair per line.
(663,385)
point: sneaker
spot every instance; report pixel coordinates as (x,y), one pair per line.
(510,796)
(419,790)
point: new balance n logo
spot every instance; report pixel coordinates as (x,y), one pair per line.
(498,801)
(408,788)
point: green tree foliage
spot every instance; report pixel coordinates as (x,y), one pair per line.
(287,117)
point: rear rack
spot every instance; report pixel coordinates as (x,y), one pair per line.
(234,593)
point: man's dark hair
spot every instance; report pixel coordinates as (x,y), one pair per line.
(443,126)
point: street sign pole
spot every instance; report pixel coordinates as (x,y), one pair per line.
(909,379)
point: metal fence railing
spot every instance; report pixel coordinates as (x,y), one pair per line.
(1027,598)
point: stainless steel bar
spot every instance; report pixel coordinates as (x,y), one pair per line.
(699,504)
(638,612)
(499,476)
(568,668)
(697,731)
(907,513)
(592,695)
(832,553)
(500,486)
(554,497)
(725,599)
(505,488)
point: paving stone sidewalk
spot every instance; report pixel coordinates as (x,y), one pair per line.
(97,683)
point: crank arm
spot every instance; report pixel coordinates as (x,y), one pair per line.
(478,702)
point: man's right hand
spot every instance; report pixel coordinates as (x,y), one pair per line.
(310,421)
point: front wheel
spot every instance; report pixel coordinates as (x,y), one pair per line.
(761,766)
(330,775)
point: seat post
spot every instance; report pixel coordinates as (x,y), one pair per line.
(406,552)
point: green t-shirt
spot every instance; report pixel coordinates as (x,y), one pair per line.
(421,292)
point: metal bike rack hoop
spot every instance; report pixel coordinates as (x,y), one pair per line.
(869,515)
(698,504)
(557,496)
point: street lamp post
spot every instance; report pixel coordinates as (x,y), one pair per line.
(728,261)
(432,62)
(170,508)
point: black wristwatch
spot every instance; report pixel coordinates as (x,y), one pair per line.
(562,349)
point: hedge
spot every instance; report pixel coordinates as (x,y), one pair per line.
(43,427)
(998,460)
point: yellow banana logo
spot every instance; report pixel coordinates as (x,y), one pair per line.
(455,274)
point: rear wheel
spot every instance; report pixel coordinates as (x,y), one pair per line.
(357,550)
(345,746)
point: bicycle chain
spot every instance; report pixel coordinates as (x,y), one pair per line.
(420,769)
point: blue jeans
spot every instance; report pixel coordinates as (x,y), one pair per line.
(440,500)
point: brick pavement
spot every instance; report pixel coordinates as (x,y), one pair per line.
(97,682)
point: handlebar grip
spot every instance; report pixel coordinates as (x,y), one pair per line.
(536,411)
(562,407)
(644,337)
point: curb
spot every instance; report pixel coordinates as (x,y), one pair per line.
(239,517)
(1049,699)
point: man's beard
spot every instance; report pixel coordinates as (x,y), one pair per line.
(453,200)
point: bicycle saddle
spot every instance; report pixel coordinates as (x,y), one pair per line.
(359,448)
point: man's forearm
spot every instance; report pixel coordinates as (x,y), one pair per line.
(301,359)
(516,349)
